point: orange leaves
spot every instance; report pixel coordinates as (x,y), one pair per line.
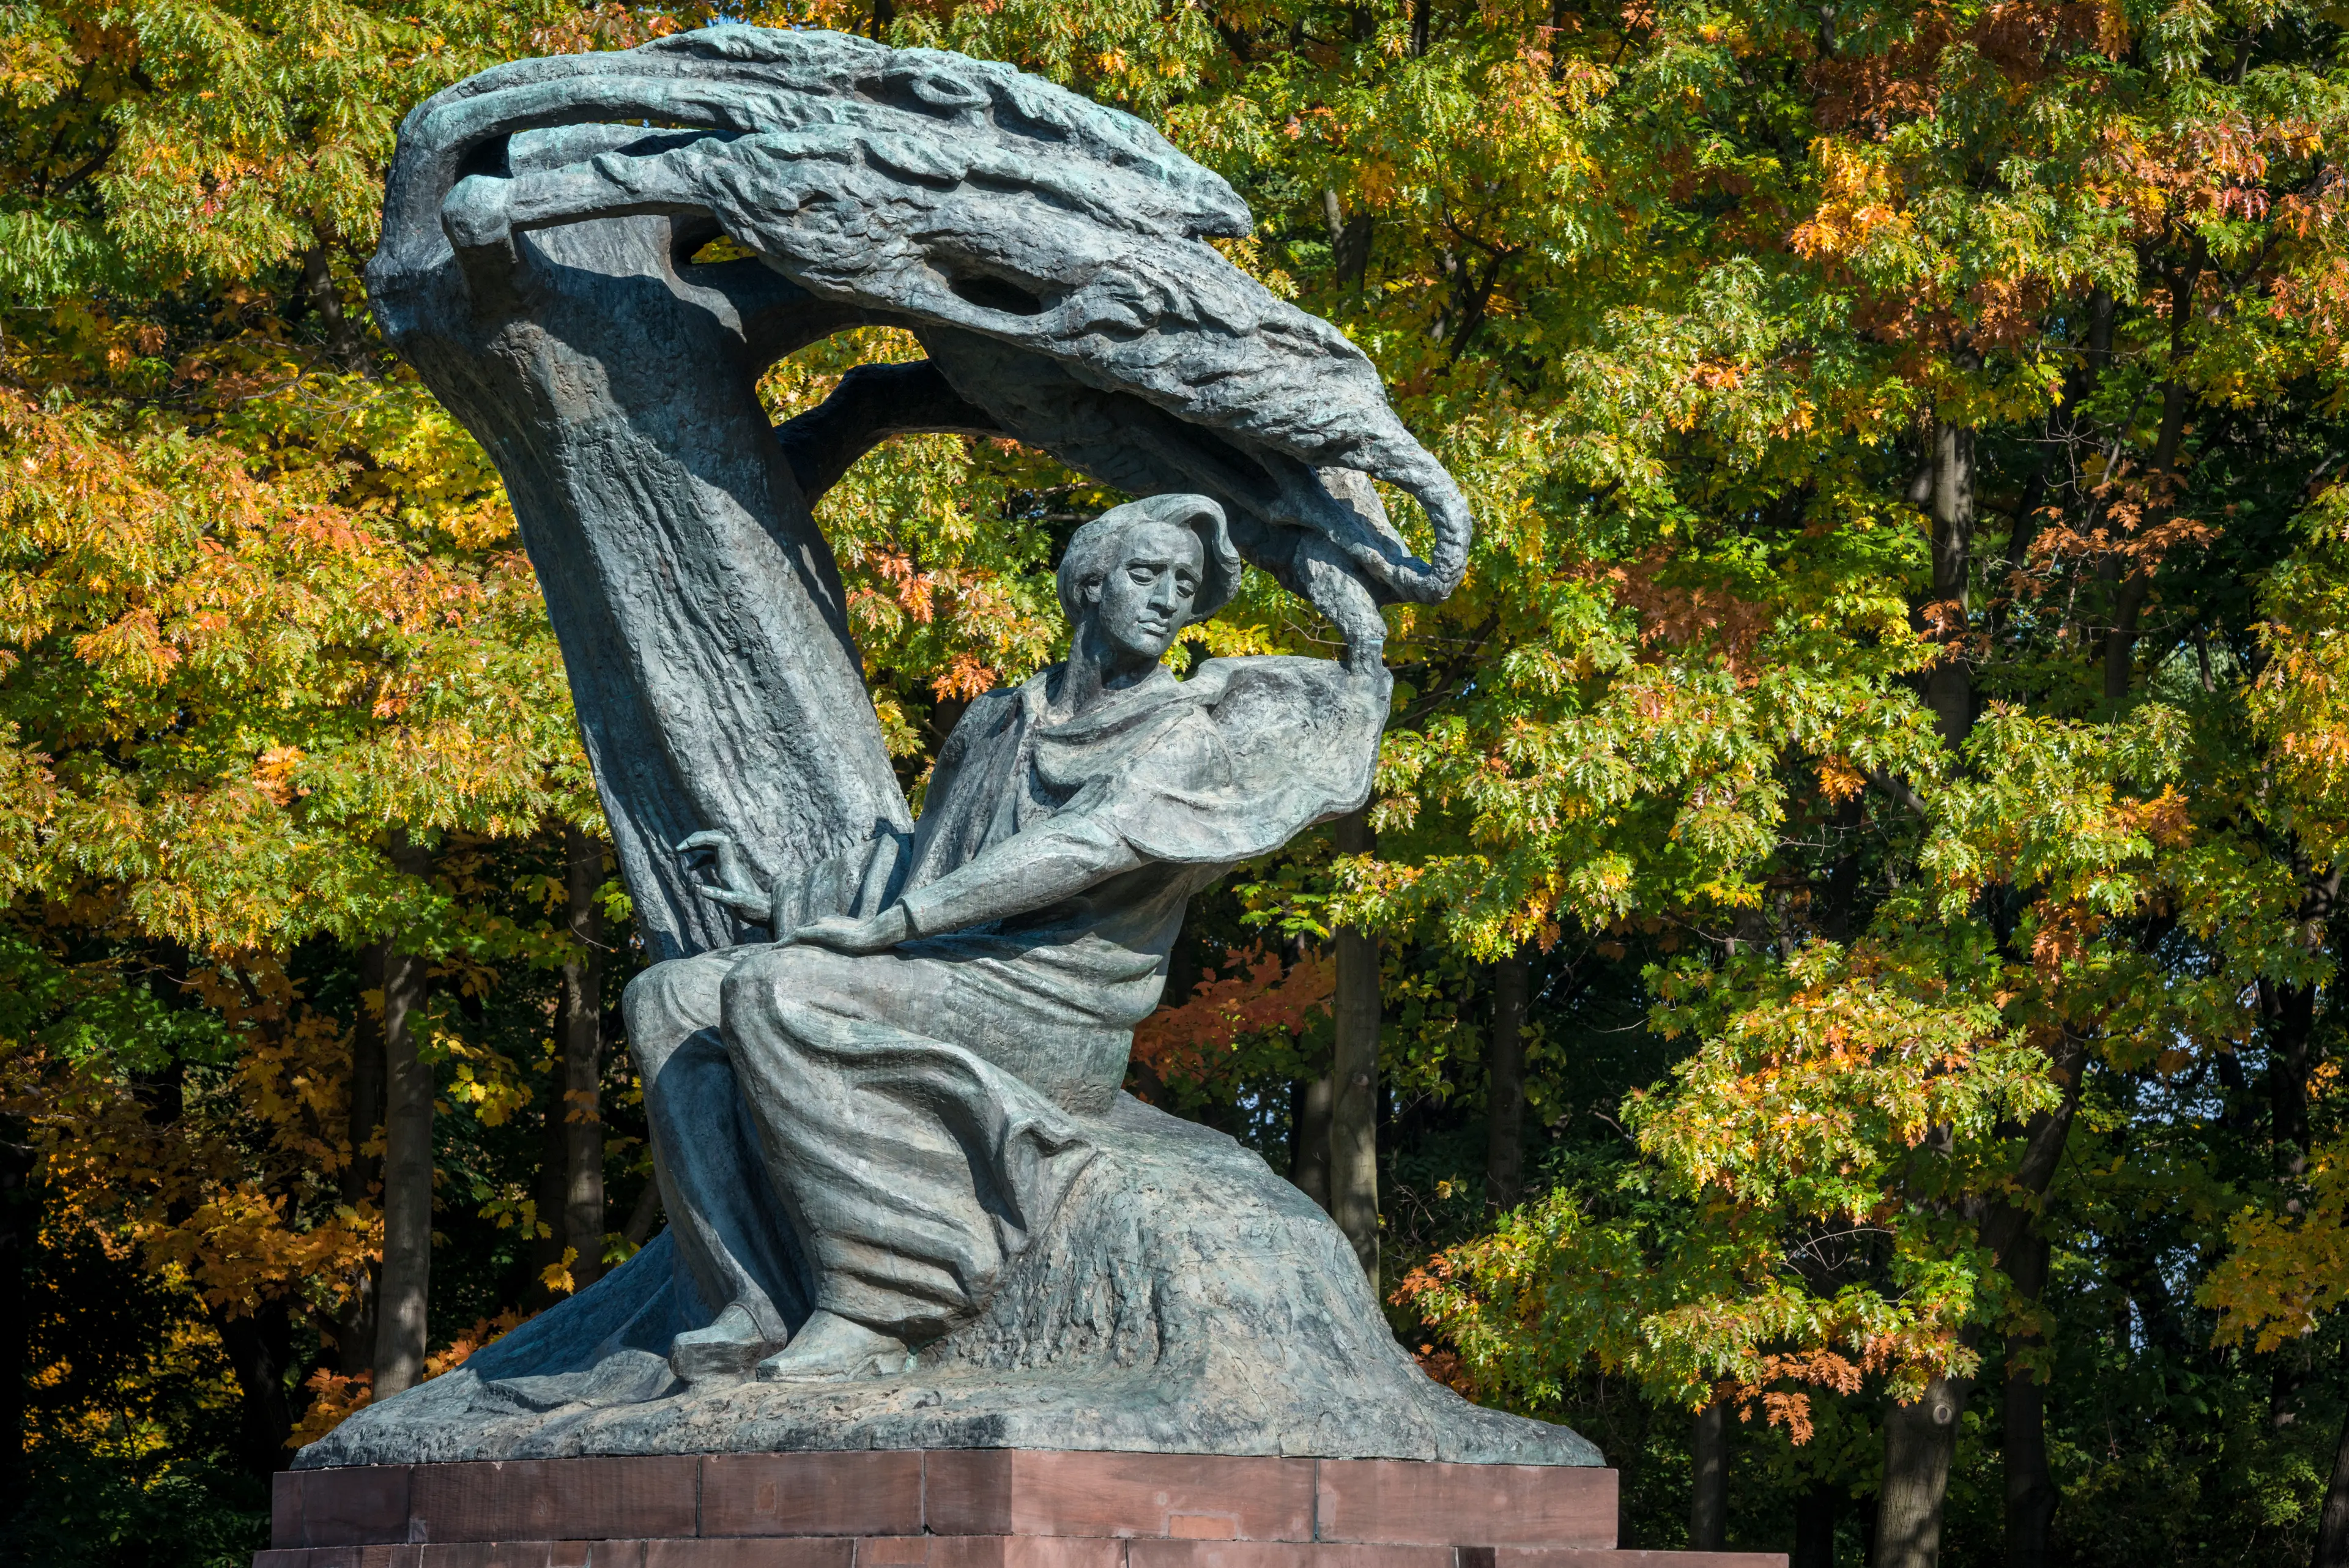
(1829,1370)
(335,1399)
(189,601)
(132,649)
(272,770)
(965,678)
(2023,40)
(1676,614)
(1253,996)
(608,26)
(232,1187)
(915,588)
(1839,779)
(2131,524)
(2164,819)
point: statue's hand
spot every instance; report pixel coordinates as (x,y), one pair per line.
(735,887)
(846,935)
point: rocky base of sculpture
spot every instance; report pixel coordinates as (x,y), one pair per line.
(959,1509)
(1184,1301)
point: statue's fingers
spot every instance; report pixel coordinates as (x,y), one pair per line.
(454,127)
(485,211)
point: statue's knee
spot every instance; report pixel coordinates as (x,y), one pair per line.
(752,993)
(646,997)
(762,975)
(666,1004)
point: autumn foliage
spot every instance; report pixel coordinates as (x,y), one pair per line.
(1895,728)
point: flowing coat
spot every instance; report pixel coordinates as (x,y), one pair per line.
(921,1113)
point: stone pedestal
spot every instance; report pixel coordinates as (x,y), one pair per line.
(967,1508)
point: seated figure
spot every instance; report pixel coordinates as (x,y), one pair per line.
(858,1125)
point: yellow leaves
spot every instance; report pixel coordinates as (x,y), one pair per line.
(1839,779)
(1859,202)
(2286,1267)
(273,771)
(1811,1083)
(2163,819)
(132,649)
(556,1276)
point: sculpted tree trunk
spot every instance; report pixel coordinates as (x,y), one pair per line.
(1354,1073)
(1505,1085)
(1709,1491)
(582,1060)
(403,1294)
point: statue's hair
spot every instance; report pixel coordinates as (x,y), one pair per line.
(1093,550)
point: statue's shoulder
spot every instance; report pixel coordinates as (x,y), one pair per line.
(992,710)
(1266,683)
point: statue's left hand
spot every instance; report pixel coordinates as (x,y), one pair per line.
(735,887)
(843,934)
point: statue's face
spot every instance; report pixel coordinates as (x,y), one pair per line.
(1146,596)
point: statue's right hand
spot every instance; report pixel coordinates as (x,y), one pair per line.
(735,887)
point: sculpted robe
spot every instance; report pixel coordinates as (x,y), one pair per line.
(920,1113)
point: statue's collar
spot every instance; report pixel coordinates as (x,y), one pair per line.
(1110,712)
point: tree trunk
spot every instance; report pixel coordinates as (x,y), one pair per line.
(2332,1525)
(354,1324)
(1919,1440)
(1349,240)
(2291,1017)
(1815,1512)
(1505,1091)
(1708,1478)
(2131,583)
(546,1249)
(1423,22)
(2031,1495)
(406,1283)
(1948,687)
(1354,1074)
(20,1222)
(318,289)
(644,1216)
(260,1346)
(1309,1147)
(582,1061)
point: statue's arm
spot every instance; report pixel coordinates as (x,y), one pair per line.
(871,403)
(1033,870)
